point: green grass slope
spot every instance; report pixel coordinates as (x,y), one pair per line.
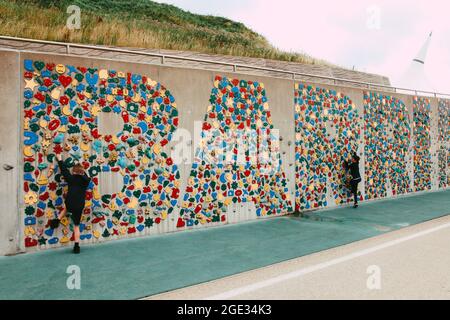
(138,23)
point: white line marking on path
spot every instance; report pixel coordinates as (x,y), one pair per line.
(301,272)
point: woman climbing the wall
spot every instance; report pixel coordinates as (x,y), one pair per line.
(353,167)
(78,182)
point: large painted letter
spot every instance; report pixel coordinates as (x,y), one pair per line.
(61,106)
(444,143)
(387,139)
(238,159)
(422,144)
(327,132)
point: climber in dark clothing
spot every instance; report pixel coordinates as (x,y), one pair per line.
(353,167)
(78,183)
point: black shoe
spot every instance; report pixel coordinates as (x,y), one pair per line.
(54,223)
(355,206)
(76,248)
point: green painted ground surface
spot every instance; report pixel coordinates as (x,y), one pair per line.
(136,268)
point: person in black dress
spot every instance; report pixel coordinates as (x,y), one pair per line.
(78,182)
(353,167)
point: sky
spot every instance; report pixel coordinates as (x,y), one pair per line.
(378,36)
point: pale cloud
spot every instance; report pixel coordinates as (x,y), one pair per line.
(338,31)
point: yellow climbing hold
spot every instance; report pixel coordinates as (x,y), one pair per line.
(30,197)
(42,180)
(60,68)
(85,147)
(115,140)
(64,240)
(28,151)
(65,221)
(95,110)
(133,203)
(103,74)
(66,110)
(43,123)
(138,184)
(29,231)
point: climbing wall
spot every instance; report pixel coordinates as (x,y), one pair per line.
(444,143)
(327,127)
(121,125)
(422,144)
(237,160)
(61,106)
(387,137)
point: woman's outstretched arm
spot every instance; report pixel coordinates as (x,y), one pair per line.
(86,179)
(64,171)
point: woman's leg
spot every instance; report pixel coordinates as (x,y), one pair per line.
(76,218)
(76,234)
(355,191)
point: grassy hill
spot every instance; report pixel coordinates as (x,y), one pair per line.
(138,23)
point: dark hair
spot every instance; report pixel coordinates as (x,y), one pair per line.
(78,169)
(356,157)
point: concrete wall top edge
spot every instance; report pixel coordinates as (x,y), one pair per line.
(136,67)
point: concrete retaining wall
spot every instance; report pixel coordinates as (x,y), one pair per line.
(9,153)
(54,103)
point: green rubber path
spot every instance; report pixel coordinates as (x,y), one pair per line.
(136,268)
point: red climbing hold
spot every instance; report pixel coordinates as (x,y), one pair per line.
(30,242)
(180,223)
